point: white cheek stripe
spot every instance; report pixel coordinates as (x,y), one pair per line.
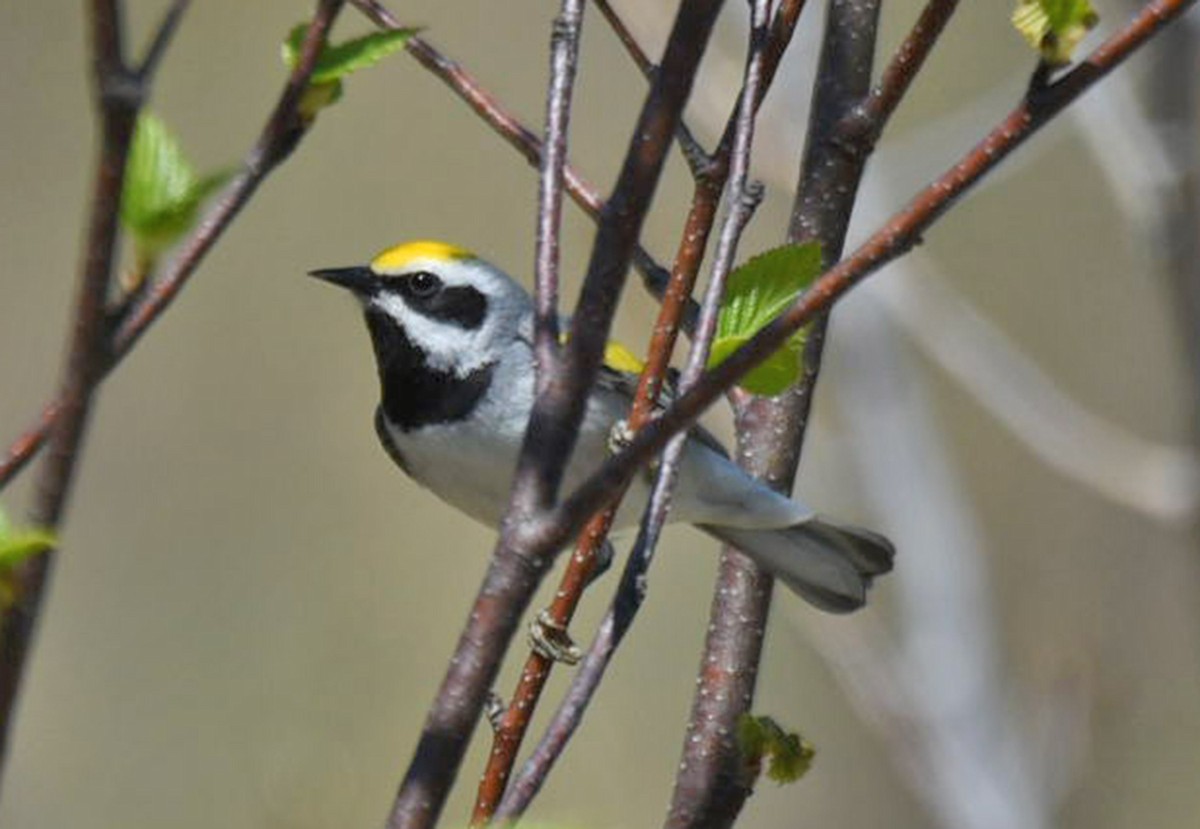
(447,347)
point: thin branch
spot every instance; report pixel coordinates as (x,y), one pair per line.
(162,38)
(903,231)
(65,416)
(278,139)
(504,123)
(693,153)
(899,74)
(516,567)
(21,451)
(713,782)
(554,421)
(741,202)
(564,57)
(118,95)
(507,126)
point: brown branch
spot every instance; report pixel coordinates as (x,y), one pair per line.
(713,782)
(118,94)
(517,567)
(907,62)
(763,55)
(275,143)
(693,152)
(510,731)
(162,38)
(896,237)
(508,127)
(513,726)
(66,416)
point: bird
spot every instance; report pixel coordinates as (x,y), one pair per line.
(452,336)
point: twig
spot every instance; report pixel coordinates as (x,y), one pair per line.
(118,95)
(276,142)
(162,38)
(907,62)
(564,58)
(665,331)
(631,592)
(507,126)
(693,153)
(901,232)
(279,138)
(713,782)
(506,741)
(519,562)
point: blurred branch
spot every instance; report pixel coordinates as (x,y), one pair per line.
(162,38)
(93,354)
(118,94)
(941,696)
(1155,479)
(896,237)
(521,558)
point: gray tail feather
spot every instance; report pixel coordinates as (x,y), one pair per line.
(829,565)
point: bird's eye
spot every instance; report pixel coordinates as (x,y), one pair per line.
(423,284)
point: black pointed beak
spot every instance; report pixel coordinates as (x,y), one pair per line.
(359,279)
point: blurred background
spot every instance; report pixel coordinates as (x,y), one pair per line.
(253,608)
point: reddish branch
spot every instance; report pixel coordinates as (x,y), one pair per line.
(118,92)
(899,235)
(123,93)
(764,57)
(516,568)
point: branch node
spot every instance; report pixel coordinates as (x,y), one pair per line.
(550,640)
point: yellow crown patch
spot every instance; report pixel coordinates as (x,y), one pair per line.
(397,258)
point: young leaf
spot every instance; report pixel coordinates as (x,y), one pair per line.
(16,545)
(789,755)
(757,292)
(162,190)
(1054,27)
(336,61)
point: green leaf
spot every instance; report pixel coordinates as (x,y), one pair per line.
(17,545)
(336,61)
(789,756)
(1054,27)
(758,291)
(162,190)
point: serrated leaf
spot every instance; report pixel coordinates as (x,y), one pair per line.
(757,292)
(789,756)
(161,190)
(770,377)
(336,61)
(1054,27)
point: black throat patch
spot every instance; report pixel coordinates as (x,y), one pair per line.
(413,394)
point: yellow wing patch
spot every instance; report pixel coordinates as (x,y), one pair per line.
(620,358)
(616,356)
(396,259)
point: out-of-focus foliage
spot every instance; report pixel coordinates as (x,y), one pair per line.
(1054,27)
